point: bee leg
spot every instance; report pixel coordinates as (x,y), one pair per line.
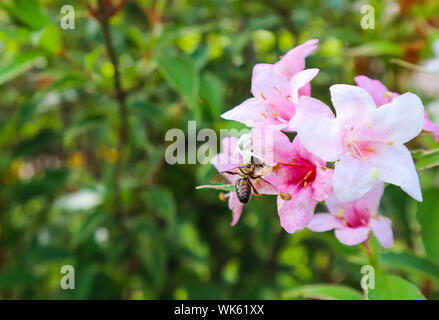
(253,188)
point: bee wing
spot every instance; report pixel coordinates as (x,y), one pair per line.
(262,186)
(224,177)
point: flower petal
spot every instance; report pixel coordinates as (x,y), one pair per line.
(375,88)
(395,165)
(322,185)
(294,60)
(352,236)
(228,158)
(352,178)
(321,222)
(317,130)
(382,228)
(296,213)
(272,145)
(236,206)
(272,87)
(431,127)
(254,113)
(299,80)
(371,200)
(400,120)
(351,101)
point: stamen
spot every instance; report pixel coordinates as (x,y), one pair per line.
(340,212)
(264,115)
(262,95)
(390,143)
(388,94)
(285,196)
(278,91)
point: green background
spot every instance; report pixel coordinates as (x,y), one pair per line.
(84,182)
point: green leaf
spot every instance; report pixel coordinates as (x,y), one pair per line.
(90,224)
(83,125)
(428,217)
(49,39)
(19,65)
(161,201)
(182,74)
(426,159)
(410,262)
(391,287)
(29,12)
(212,91)
(324,292)
(376,48)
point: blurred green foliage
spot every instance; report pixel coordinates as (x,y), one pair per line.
(84,181)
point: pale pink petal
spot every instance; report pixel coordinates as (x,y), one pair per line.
(371,200)
(395,165)
(294,60)
(382,228)
(296,213)
(400,120)
(334,204)
(271,87)
(352,178)
(376,89)
(254,113)
(272,146)
(299,80)
(352,236)
(317,130)
(321,222)
(236,206)
(322,185)
(431,127)
(351,101)
(228,158)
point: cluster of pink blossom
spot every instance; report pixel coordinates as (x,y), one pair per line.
(363,141)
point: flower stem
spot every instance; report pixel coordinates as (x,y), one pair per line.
(370,254)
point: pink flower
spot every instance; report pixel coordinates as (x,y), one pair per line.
(365,141)
(267,145)
(276,89)
(295,171)
(353,221)
(303,176)
(381,95)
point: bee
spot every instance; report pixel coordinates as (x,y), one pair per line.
(250,180)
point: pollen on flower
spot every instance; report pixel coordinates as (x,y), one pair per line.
(370,126)
(340,212)
(285,196)
(390,143)
(275,115)
(222,196)
(262,96)
(374,173)
(388,94)
(264,115)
